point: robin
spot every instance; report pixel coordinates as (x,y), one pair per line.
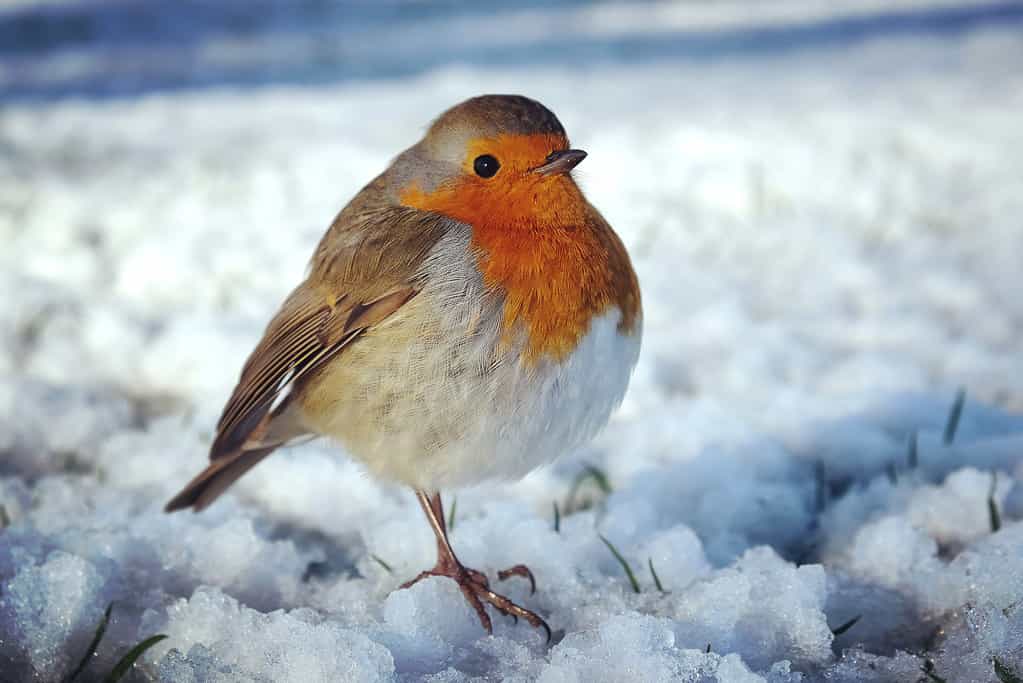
(468,316)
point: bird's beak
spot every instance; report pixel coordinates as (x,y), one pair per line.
(561,161)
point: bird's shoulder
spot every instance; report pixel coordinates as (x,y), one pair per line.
(369,251)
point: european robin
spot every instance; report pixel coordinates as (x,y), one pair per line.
(468,316)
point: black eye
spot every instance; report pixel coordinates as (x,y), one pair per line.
(485,166)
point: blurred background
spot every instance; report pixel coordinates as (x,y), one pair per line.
(58,48)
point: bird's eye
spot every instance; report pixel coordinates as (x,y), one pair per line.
(485,166)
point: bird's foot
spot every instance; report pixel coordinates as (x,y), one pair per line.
(519,570)
(476,589)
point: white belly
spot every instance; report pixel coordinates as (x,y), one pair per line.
(528,416)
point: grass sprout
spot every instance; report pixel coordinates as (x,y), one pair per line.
(90,651)
(820,477)
(992,505)
(913,452)
(928,669)
(128,660)
(846,626)
(653,573)
(124,664)
(622,561)
(378,560)
(1004,673)
(952,424)
(451,513)
(590,472)
(893,474)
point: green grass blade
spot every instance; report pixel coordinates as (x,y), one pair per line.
(91,650)
(598,476)
(846,626)
(1004,673)
(657,579)
(383,564)
(128,660)
(893,474)
(992,505)
(952,424)
(589,472)
(820,477)
(928,669)
(623,562)
(451,513)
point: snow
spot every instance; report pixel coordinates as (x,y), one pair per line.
(827,237)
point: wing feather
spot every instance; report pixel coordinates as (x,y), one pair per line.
(364,270)
(302,337)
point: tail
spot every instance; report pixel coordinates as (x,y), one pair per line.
(215,479)
(228,464)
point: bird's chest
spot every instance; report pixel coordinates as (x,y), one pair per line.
(447,392)
(480,408)
(506,400)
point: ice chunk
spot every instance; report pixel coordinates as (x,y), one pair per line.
(429,621)
(857,666)
(981,575)
(973,639)
(50,611)
(957,511)
(676,555)
(632,647)
(763,608)
(213,638)
(890,550)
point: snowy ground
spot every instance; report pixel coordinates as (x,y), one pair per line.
(828,240)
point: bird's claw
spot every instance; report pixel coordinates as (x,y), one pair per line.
(476,589)
(519,570)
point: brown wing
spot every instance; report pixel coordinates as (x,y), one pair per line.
(359,278)
(307,333)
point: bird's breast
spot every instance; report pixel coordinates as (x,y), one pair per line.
(550,254)
(556,281)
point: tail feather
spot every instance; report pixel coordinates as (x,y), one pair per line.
(215,479)
(274,430)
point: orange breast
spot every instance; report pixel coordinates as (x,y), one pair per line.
(539,240)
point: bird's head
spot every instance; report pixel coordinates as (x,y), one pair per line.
(493,159)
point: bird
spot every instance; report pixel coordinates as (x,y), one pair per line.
(467,317)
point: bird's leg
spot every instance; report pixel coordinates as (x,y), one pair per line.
(444,549)
(473,584)
(445,553)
